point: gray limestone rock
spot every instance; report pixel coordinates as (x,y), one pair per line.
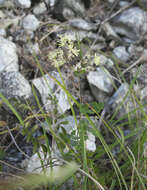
(14,85)
(111,34)
(8,56)
(121,102)
(2,32)
(101,84)
(67,9)
(131,23)
(30,23)
(39,8)
(121,53)
(82,24)
(48,88)
(50,2)
(33,165)
(141,74)
(23,3)
(90,142)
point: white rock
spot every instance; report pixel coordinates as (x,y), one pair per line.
(50,2)
(101,79)
(2,32)
(39,8)
(90,145)
(111,1)
(90,142)
(91,137)
(47,88)
(82,24)
(30,23)
(8,56)
(33,165)
(121,53)
(63,103)
(23,3)
(101,84)
(45,85)
(14,85)
(123,3)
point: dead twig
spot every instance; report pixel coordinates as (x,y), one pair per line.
(13,139)
(11,166)
(143,57)
(119,11)
(113,6)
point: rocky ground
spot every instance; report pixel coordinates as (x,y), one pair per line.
(114,30)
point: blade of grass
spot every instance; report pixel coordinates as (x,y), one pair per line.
(12,109)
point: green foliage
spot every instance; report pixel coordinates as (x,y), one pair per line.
(91,108)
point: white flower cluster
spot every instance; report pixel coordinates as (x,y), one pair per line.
(67,51)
